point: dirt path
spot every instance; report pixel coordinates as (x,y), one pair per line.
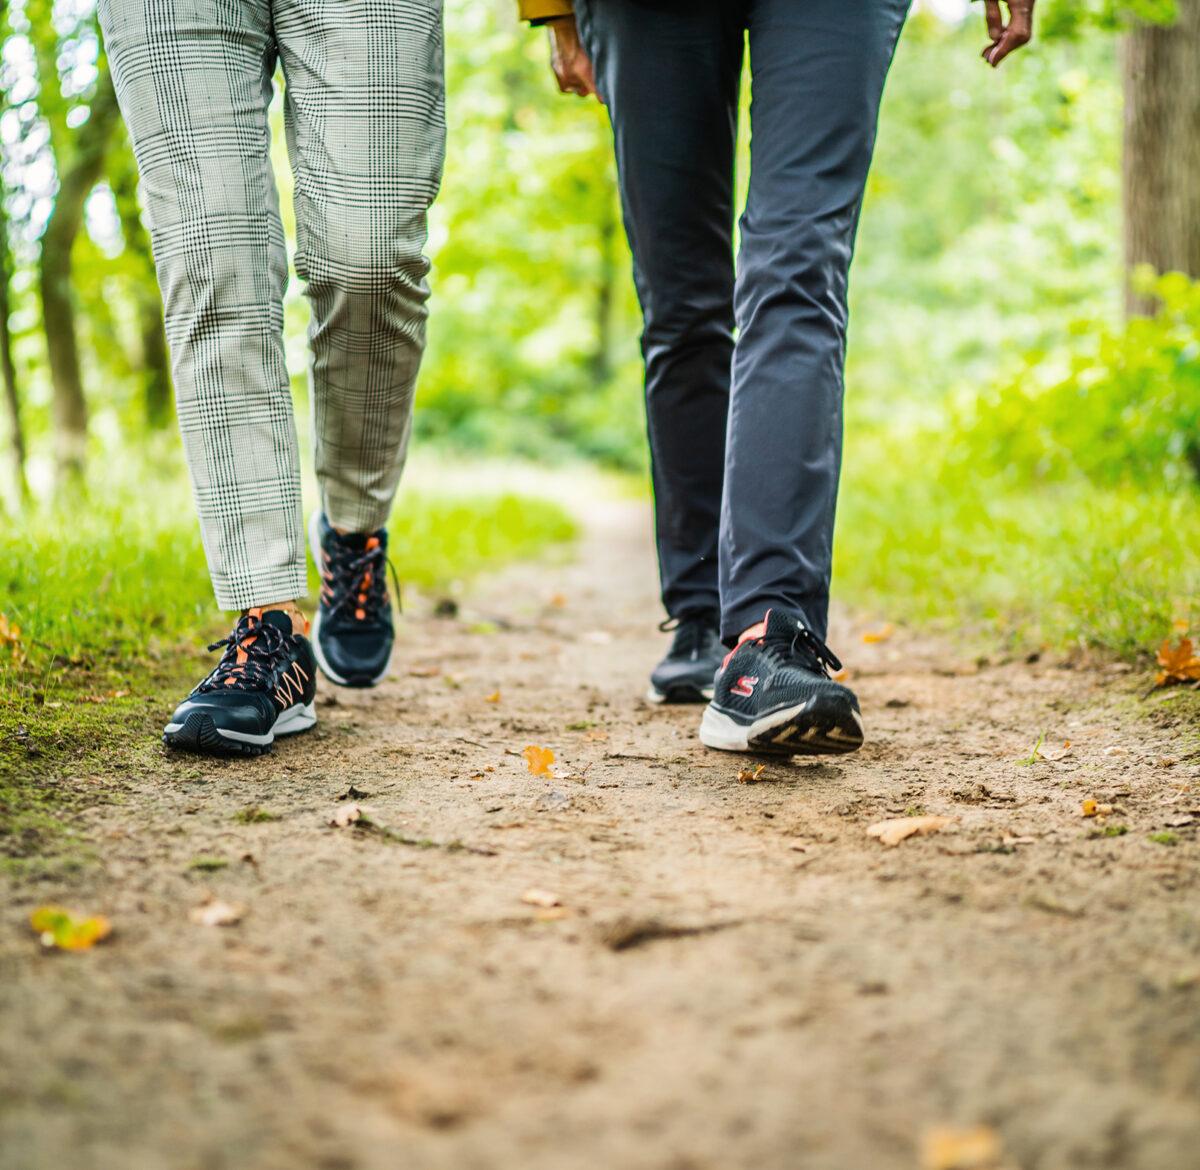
(737,975)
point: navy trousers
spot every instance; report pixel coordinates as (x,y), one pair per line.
(743,366)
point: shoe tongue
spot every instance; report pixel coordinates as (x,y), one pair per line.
(279,618)
(360,541)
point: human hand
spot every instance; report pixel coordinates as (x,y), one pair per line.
(1006,37)
(569,60)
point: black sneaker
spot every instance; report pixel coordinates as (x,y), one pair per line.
(352,633)
(774,695)
(686,674)
(262,688)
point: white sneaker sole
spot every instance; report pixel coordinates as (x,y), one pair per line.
(202,734)
(791,731)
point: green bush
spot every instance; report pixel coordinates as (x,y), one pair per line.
(1122,407)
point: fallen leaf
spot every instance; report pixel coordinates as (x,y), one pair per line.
(1055,753)
(423,671)
(536,897)
(1116,751)
(553,914)
(1179,664)
(345,814)
(216,914)
(60,928)
(944,1148)
(1164,762)
(1088,808)
(539,759)
(10,636)
(750,775)
(799,845)
(558,600)
(881,635)
(493,698)
(894,831)
(840,675)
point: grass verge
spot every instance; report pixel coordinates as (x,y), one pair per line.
(109,600)
(1063,563)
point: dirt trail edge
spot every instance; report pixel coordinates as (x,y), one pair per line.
(706,972)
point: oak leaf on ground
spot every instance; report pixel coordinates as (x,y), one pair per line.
(894,831)
(539,759)
(1178,664)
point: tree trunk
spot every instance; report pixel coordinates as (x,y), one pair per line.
(8,370)
(1162,149)
(156,369)
(76,177)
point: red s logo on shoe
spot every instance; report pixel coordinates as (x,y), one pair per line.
(744,686)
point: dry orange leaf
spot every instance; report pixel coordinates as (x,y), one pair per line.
(60,928)
(895,831)
(880,635)
(9,635)
(543,898)
(979,1148)
(539,759)
(1179,664)
(1091,808)
(493,698)
(750,775)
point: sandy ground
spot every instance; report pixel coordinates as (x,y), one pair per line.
(735,974)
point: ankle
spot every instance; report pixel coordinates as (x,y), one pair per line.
(292,609)
(755,631)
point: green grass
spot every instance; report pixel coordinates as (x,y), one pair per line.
(1067,563)
(110,579)
(113,602)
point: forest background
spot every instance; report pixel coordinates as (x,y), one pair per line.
(1023,398)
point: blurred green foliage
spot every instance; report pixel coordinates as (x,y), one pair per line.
(1122,406)
(1014,452)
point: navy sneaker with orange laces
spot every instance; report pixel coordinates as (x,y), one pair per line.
(262,688)
(352,632)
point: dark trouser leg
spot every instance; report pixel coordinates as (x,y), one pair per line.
(670,76)
(818,72)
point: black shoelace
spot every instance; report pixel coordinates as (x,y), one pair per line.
(251,658)
(690,631)
(802,645)
(358,588)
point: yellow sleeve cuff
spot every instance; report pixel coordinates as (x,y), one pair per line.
(544,9)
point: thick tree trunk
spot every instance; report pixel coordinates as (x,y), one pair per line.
(156,369)
(1162,149)
(76,178)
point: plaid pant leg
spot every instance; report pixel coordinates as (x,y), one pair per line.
(194,82)
(365,115)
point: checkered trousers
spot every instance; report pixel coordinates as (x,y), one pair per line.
(364,113)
